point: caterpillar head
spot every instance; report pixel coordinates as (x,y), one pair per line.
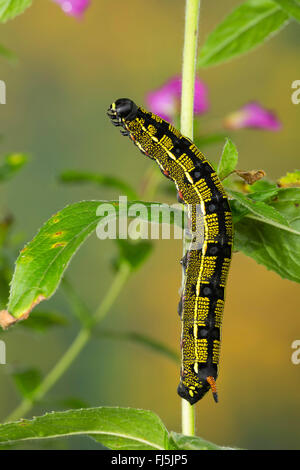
(121,111)
(194,394)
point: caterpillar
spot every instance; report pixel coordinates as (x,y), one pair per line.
(206,267)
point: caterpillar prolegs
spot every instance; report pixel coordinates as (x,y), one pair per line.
(206,268)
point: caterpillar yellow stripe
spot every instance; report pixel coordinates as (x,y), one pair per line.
(206,266)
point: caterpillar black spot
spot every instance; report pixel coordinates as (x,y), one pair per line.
(206,268)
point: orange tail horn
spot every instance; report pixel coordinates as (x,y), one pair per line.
(213,387)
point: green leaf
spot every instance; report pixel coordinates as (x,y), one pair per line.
(183,442)
(11,8)
(292,7)
(27,381)
(238,211)
(262,212)
(246,27)
(262,185)
(41,322)
(269,245)
(262,190)
(228,160)
(115,428)
(290,179)
(42,263)
(264,196)
(73,176)
(142,340)
(12,164)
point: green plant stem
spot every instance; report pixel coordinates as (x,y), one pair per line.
(116,287)
(189,66)
(76,346)
(188,418)
(186,126)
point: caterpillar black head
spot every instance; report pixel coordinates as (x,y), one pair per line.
(195,394)
(122,110)
(192,395)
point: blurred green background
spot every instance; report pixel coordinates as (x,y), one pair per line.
(68,73)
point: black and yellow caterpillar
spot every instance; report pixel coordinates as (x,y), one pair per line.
(206,267)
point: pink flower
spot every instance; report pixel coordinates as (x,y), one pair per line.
(165,101)
(252,115)
(73,7)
